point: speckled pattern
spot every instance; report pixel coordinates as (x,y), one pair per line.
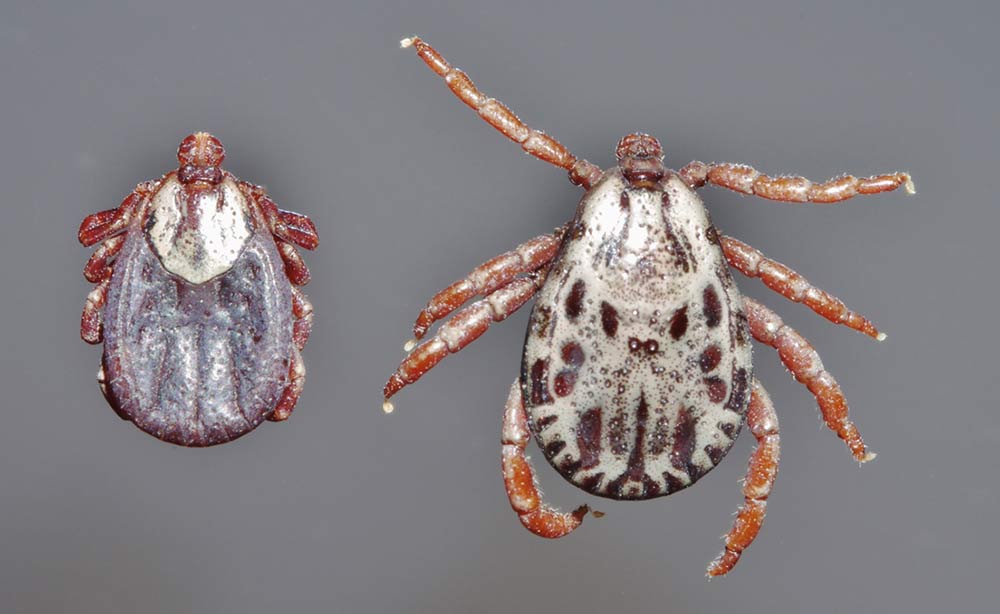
(637,362)
(197,364)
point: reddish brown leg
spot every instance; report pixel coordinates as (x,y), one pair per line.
(496,114)
(748,180)
(94,270)
(290,396)
(761,471)
(92,320)
(302,309)
(519,477)
(286,225)
(794,287)
(105,224)
(488,277)
(462,329)
(295,267)
(802,360)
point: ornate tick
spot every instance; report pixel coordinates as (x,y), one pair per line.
(636,374)
(196,302)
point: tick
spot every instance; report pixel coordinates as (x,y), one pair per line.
(197,302)
(636,375)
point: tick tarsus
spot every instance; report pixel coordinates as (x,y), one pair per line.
(199,175)
(640,166)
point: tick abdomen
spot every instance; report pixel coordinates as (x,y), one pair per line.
(198,364)
(637,361)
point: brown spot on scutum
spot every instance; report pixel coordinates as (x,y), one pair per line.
(543,315)
(542,423)
(712,307)
(710,358)
(616,435)
(564,382)
(634,345)
(572,354)
(684,440)
(588,437)
(553,448)
(740,321)
(609,319)
(625,201)
(652,346)
(712,235)
(738,399)
(672,482)
(728,428)
(717,389)
(574,302)
(660,437)
(540,382)
(679,323)
(715,454)
(592,483)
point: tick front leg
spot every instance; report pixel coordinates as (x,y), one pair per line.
(519,477)
(286,225)
(496,114)
(794,287)
(747,180)
(462,329)
(105,224)
(290,396)
(489,277)
(802,360)
(763,468)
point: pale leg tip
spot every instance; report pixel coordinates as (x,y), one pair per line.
(409,345)
(869,456)
(407,42)
(880,337)
(910,188)
(387,407)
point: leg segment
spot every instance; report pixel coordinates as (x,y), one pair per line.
(290,396)
(519,477)
(286,225)
(496,114)
(462,329)
(794,287)
(802,360)
(745,179)
(763,468)
(488,277)
(99,226)
(295,267)
(92,320)
(94,270)
(302,309)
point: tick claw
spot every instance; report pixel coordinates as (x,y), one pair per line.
(406,42)
(387,407)
(880,337)
(910,188)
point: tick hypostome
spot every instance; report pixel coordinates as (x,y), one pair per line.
(636,375)
(196,302)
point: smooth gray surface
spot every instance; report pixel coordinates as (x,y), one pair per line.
(343,509)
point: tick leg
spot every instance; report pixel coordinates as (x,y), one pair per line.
(761,471)
(102,256)
(290,396)
(496,114)
(519,477)
(462,329)
(295,267)
(92,320)
(802,360)
(302,309)
(745,179)
(489,277)
(786,282)
(105,224)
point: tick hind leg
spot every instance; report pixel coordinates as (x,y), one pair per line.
(290,396)
(519,477)
(801,359)
(462,329)
(748,180)
(794,287)
(760,476)
(496,114)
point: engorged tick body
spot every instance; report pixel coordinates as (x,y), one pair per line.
(196,302)
(636,375)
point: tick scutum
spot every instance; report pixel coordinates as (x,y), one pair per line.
(659,382)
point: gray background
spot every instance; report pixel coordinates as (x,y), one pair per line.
(344,509)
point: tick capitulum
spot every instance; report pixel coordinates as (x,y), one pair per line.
(196,302)
(636,375)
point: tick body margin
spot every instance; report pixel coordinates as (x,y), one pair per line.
(636,375)
(197,302)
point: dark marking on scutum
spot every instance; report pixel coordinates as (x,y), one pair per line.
(542,423)
(712,235)
(660,436)
(634,344)
(673,483)
(568,467)
(572,354)
(715,453)
(652,346)
(728,428)
(574,302)
(553,448)
(609,319)
(674,243)
(635,470)
(540,382)
(679,323)
(564,382)
(717,389)
(592,483)
(684,440)
(738,398)
(625,202)
(542,318)
(588,438)
(742,336)
(616,435)
(712,307)
(710,358)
